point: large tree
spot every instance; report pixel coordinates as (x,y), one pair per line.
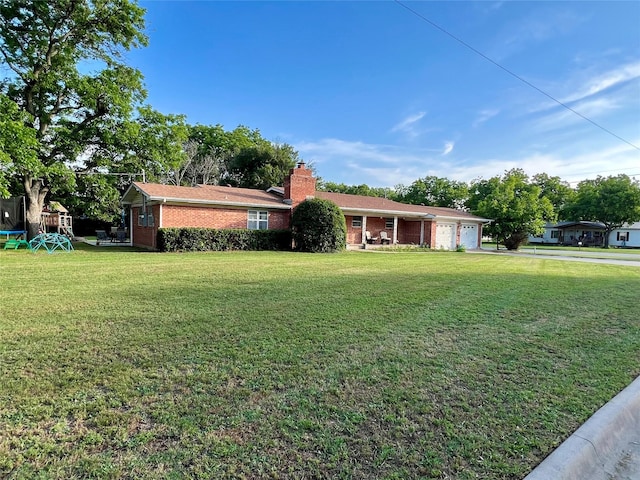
(516,206)
(612,201)
(362,189)
(18,143)
(555,189)
(64,70)
(435,191)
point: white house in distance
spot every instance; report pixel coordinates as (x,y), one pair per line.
(587,234)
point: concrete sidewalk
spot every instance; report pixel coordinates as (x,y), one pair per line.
(606,447)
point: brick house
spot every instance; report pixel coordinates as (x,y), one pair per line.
(153,206)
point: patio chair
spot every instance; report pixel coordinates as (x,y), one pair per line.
(369,238)
(101,236)
(121,235)
(384,239)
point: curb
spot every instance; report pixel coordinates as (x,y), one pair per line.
(606,447)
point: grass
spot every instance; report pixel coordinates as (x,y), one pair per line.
(124,364)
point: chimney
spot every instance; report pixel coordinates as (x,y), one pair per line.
(299,185)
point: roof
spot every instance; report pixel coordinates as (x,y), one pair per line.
(582,224)
(201,194)
(273,198)
(360,203)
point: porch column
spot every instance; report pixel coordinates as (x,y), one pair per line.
(421,232)
(395,230)
(364,229)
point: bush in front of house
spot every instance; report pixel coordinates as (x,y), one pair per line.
(210,239)
(318,226)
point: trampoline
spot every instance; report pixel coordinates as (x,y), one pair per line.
(12,232)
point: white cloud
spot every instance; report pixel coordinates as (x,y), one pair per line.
(448,148)
(485,115)
(408,124)
(563,117)
(386,165)
(375,164)
(605,81)
(541,25)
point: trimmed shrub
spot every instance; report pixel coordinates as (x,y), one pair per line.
(318,226)
(210,239)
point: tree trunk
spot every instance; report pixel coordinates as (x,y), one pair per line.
(36,194)
(607,233)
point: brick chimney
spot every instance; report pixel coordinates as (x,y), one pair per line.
(299,185)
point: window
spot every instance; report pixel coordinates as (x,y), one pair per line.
(388,223)
(356,222)
(555,233)
(258,220)
(623,236)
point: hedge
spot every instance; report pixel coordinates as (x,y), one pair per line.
(210,239)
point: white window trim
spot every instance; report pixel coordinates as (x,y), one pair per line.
(257,214)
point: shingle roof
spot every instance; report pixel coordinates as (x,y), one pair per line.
(204,194)
(248,197)
(383,205)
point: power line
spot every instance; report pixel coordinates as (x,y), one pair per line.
(515,75)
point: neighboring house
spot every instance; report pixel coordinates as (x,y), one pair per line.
(153,206)
(570,233)
(550,235)
(587,234)
(626,236)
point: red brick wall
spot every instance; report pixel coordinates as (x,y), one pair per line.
(299,184)
(145,236)
(432,238)
(409,232)
(427,233)
(210,217)
(177,216)
(354,235)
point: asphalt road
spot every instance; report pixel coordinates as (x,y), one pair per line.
(610,258)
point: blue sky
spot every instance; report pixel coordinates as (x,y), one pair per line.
(371,93)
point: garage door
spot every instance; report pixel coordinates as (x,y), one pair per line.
(446,236)
(469,235)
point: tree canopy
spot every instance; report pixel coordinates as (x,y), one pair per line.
(361,189)
(516,206)
(71,109)
(612,201)
(434,191)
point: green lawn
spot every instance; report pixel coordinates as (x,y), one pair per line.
(122,364)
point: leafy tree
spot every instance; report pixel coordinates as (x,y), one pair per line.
(362,189)
(261,166)
(241,157)
(65,72)
(150,144)
(516,206)
(436,192)
(18,143)
(555,189)
(318,226)
(612,201)
(479,189)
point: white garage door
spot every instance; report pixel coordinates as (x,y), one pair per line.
(469,235)
(446,236)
